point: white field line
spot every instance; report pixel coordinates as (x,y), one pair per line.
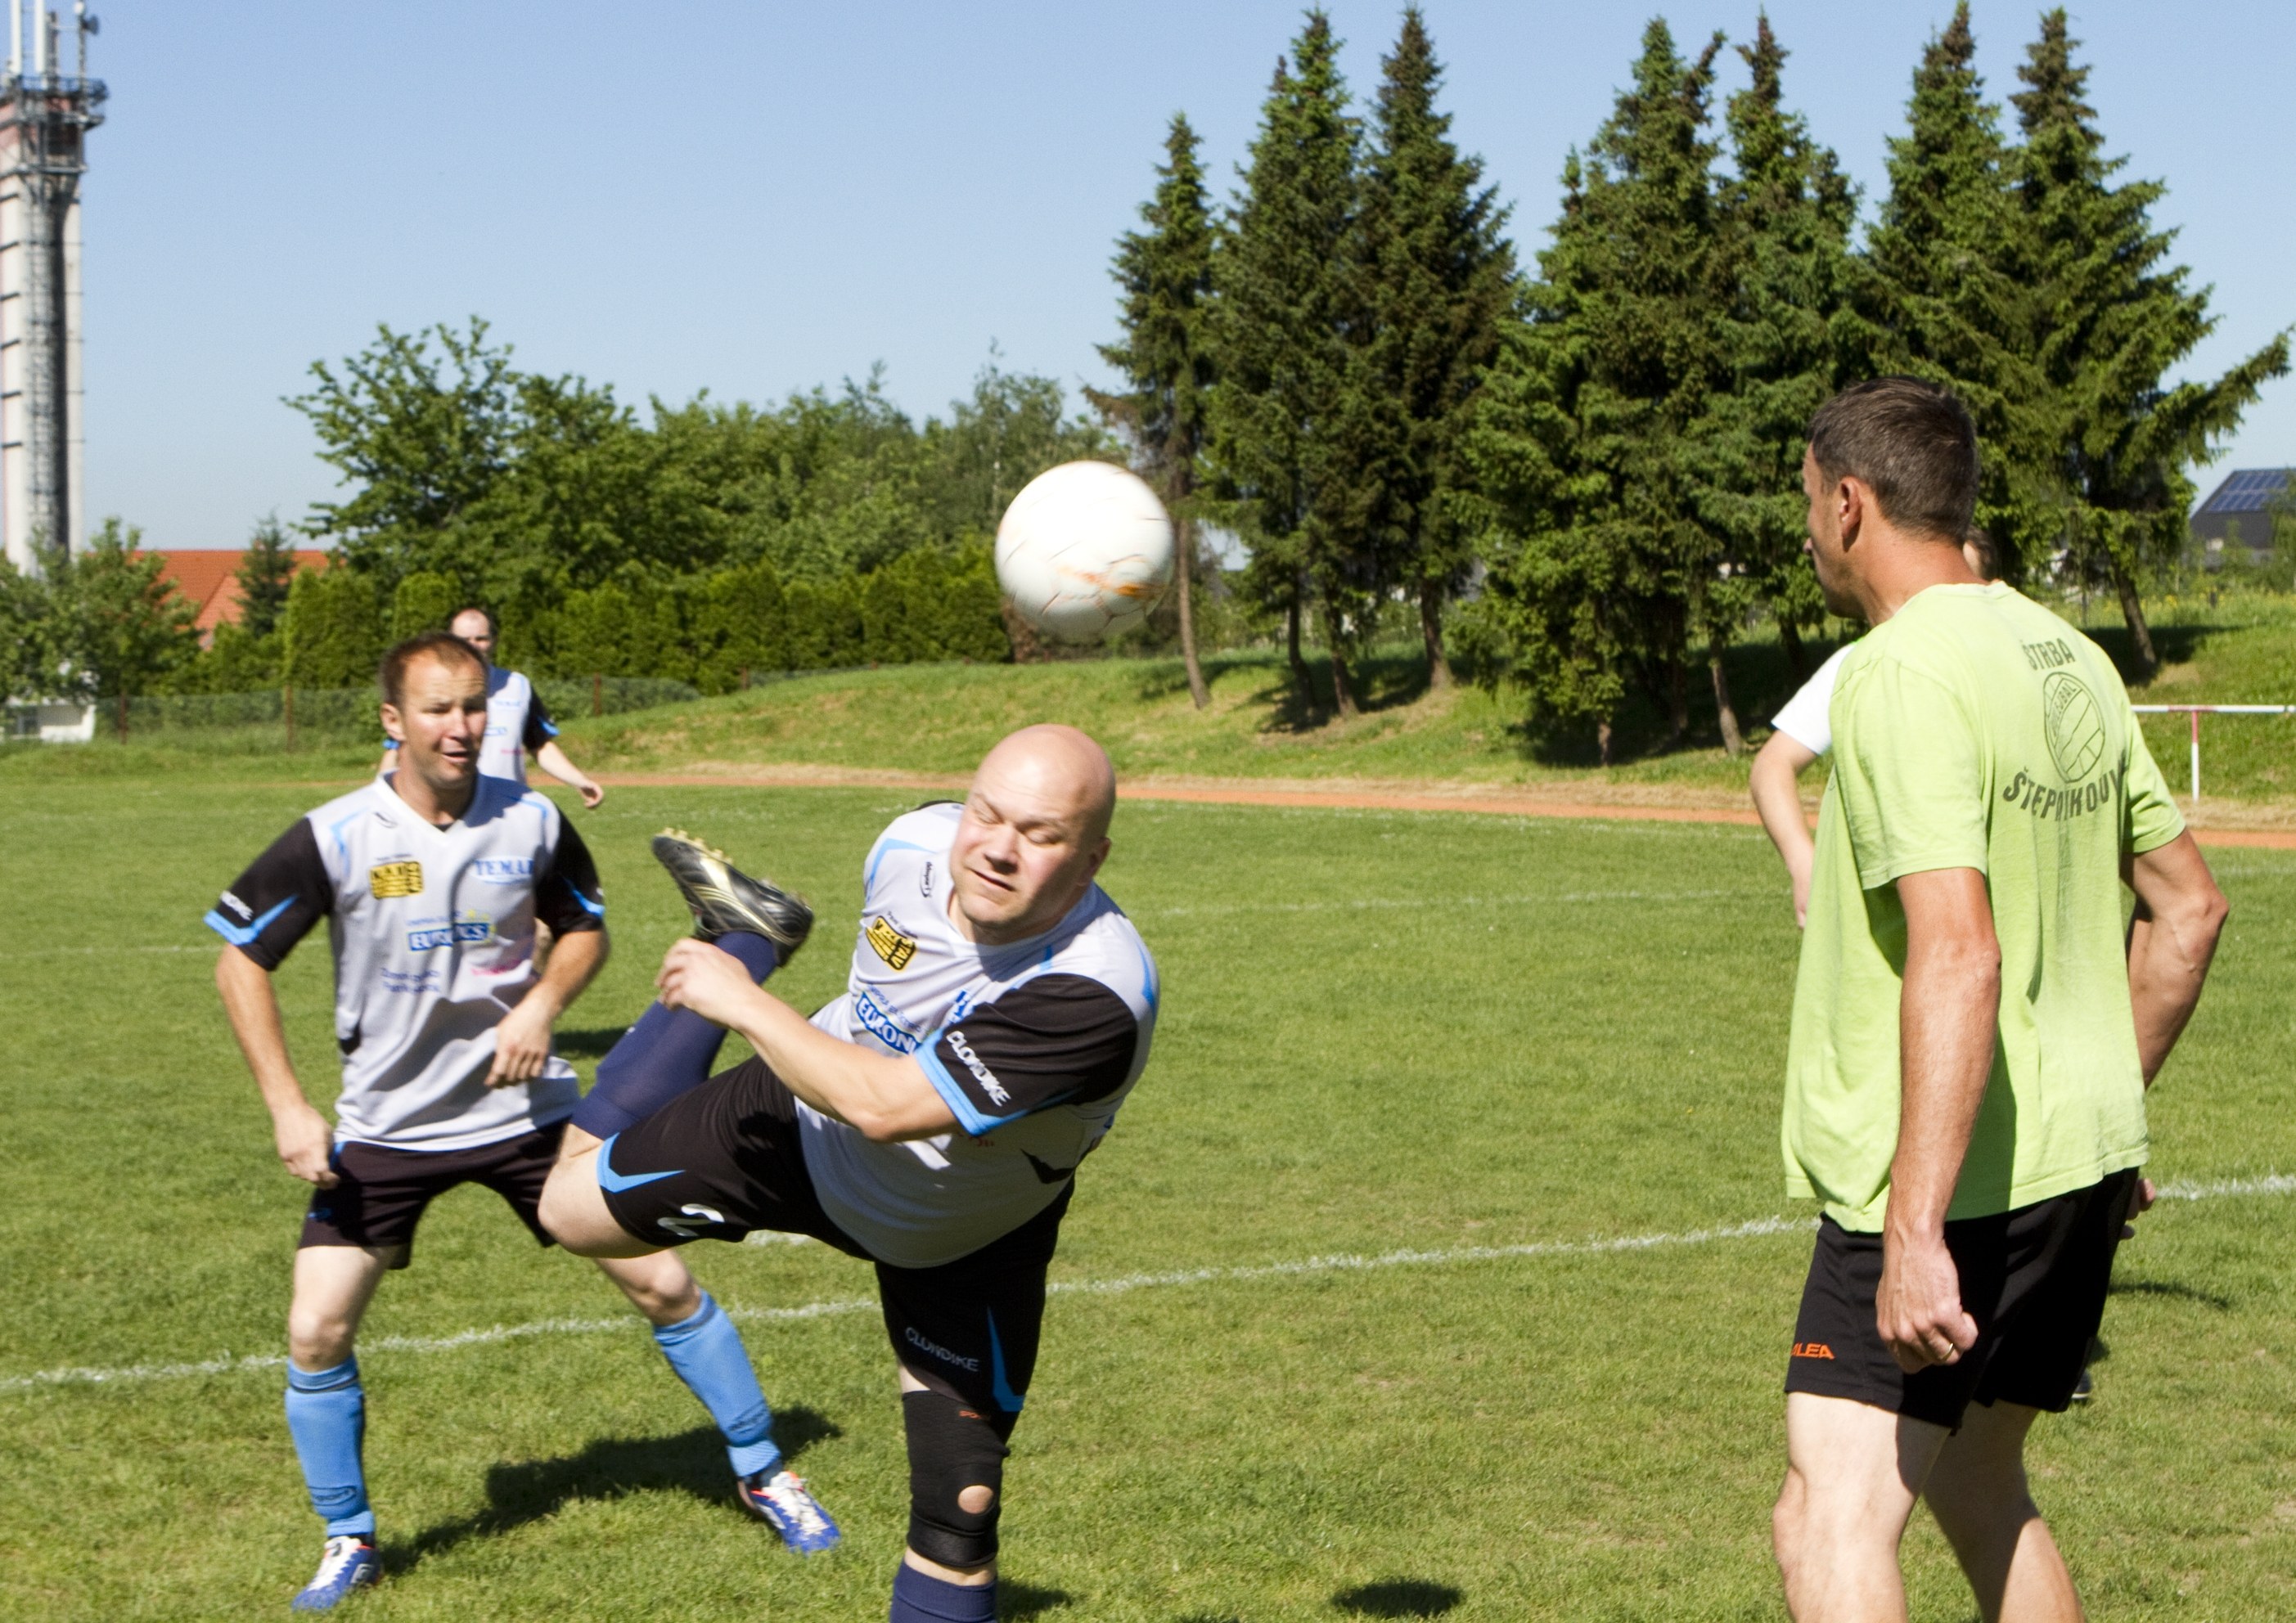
(132,1374)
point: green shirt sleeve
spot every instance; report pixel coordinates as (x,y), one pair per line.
(1909,764)
(2151,810)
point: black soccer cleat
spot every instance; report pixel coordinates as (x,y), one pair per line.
(725,900)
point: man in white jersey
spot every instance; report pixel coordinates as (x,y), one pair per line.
(432,882)
(1800,733)
(517,721)
(931,1121)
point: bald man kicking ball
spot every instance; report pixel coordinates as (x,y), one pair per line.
(929,1122)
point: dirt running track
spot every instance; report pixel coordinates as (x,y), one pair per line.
(1685,807)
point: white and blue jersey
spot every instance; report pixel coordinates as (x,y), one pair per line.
(433,934)
(1033,1046)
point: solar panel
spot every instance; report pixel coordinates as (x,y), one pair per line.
(2248,490)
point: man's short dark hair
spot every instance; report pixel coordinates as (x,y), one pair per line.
(1911,443)
(494,626)
(444,646)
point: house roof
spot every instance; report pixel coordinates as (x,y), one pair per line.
(2247,490)
(208,578)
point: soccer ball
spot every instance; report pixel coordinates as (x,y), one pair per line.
(1084,551)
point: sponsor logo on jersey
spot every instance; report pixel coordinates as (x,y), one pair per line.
(981,1074)
(503,869)
(468,928)
(412,983)
(387,879)
(890,944)
(924,883)
(236,906)
(877,1021)
(1812,1349)
(934,1350)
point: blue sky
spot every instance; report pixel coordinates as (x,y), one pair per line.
(752,199)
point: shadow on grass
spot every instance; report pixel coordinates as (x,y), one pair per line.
(2175,644)
(1398,1597)
(611,1468)
(590,1044)
(2171,1289)
(1018,1600)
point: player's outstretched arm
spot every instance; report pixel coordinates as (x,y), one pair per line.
(886,1099)
(2180,913)
(1776,785)
(552,760)
(522,1040)
(303,1136)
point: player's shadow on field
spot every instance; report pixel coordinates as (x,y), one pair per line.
(1398,1597)
(2172,1289)
(529,1490)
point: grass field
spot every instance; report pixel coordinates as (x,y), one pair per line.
(1415,1041)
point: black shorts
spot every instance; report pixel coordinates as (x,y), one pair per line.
(381,1192)
(2034,1279)
(734,1163)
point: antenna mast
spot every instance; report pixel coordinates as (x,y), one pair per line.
(45,118)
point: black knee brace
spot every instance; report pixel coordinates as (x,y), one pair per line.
(952,1447)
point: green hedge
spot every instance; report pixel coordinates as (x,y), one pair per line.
(713,632)
(340,715)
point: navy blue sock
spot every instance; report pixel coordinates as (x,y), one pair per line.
(919,1597)
(707,1353)
(667,1053)
(326,1415)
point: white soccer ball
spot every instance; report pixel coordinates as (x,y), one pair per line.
(1084,551)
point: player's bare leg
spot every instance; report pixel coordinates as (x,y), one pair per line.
(659,1284)
(1977,1491)
(326,1410)
(333,1284)
(1853,1473)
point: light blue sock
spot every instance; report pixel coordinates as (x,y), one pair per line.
(707,1353)
(326,1415)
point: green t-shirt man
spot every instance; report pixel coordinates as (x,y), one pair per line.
(1975,729)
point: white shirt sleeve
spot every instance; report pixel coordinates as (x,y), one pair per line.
(1805,717)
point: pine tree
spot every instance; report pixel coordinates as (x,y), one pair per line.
(1787,217)
(1166,275)
(1438,282)
(1938,294)
(266,570)
(1601,559)
(2110,317)
(1285,320)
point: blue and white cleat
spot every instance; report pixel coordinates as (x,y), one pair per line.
(349,1563)
(783,1502)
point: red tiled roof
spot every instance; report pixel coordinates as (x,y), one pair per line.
(208,578)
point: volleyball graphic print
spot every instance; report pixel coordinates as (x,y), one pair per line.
(2074,725)
(1084,551)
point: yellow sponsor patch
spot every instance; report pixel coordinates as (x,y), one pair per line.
(890,944)
(390,879)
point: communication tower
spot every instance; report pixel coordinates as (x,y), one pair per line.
(45,116)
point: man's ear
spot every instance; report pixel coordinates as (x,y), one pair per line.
(391,722)
(1851,500)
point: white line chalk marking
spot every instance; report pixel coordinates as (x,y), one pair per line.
(132,1374)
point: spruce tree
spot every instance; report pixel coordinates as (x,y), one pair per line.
(2110,317)
(1600,555)
(1438,280)
(1938,293)
(1166,275)
(266,570)
(1286,321)
(1787,217)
